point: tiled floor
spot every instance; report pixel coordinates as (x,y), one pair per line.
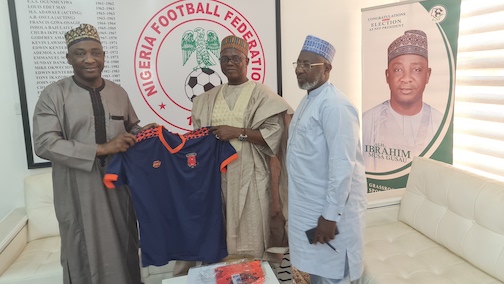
(283,270)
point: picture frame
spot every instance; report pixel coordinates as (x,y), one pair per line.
(39,50)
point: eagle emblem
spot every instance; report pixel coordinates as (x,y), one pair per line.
(195,41)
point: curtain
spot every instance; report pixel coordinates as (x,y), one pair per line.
(479,93)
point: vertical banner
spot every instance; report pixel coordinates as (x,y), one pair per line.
(409,53)
(162,52)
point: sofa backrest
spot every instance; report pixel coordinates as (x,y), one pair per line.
(39,204)
(459,210)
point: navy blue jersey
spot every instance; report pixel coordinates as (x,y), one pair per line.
(175,183)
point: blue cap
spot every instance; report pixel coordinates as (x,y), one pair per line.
(320,47)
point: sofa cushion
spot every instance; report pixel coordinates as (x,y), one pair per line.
(39,263)
(396,253)
(459,210)
(40,206)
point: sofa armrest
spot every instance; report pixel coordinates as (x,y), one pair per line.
(383,207)
(13,237)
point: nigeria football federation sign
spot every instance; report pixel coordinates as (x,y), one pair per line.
(164,53)
(177,53)
(409,53)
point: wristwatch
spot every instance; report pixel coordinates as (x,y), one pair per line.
(243,137)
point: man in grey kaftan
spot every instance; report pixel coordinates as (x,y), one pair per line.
(79,122)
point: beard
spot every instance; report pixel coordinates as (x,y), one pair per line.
(308,85)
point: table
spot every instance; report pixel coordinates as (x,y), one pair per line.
(270,277)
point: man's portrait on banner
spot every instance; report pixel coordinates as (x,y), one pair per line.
(401,127)
(403,124)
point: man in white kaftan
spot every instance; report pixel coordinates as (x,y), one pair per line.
(327,185)
(250,116)
(402,127)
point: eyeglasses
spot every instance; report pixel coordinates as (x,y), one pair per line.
(235,59)
(305,66)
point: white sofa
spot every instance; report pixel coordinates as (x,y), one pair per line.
(448,227)
(30,243)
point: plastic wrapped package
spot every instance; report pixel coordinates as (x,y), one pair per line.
(236,272)
(245,272)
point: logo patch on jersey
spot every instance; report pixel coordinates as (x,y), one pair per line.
(156,164)
(191,160)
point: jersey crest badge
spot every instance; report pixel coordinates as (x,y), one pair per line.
(191,160)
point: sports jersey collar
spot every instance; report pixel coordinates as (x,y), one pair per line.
(167,145)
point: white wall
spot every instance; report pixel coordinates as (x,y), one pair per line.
(335,21)
(13,165)
(338,22)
